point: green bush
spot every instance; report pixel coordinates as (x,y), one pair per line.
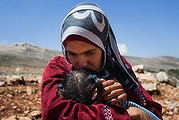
(151,70)
(162,70)
(173,72)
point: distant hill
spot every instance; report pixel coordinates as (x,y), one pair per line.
(155,63)
(26,58)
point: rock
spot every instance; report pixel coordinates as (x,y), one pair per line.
(147,77)
(10,95)
(150,86)
(34,79)
(2,84)
(14,117)
(162,77)
(29,90)
(149,82)
(138,69)
(24,118)
(36,114)
(176,110)
(2,108)
(174,82)
(15,80)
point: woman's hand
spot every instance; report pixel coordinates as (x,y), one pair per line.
(137,114)
(113,91)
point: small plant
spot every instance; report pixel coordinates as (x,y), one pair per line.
(173,72)
(151,70)
(161,70)
(9,91)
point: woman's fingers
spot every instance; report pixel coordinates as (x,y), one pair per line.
(119,98)
(113,91)
(110,85)
(108,82)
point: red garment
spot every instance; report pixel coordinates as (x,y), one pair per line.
(54,108)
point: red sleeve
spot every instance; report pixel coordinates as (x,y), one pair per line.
(151,105)
(54,108)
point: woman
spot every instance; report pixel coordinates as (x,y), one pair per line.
(89,43)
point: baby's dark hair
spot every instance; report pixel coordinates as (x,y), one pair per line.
(79,86)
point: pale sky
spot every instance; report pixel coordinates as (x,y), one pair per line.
(143,28)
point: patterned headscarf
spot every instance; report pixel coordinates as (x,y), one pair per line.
(89,21)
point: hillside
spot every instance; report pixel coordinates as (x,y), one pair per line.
(155,63)
(25,58)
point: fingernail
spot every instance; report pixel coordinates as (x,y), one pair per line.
(106,88)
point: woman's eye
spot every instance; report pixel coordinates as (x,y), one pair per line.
(90,53)
(71,54)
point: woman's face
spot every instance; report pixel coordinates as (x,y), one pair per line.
(84,55)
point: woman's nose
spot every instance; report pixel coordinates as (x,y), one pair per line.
(82,62)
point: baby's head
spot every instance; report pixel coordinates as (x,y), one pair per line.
(79,86)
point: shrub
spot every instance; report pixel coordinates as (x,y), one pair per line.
(174,73)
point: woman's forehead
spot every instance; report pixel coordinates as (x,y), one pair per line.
(73,46)
(77,38)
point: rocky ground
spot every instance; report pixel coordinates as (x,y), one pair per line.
(169,99)
(20,99)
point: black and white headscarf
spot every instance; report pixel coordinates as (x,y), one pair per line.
(89,21)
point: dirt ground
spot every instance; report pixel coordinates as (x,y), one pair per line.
(169,99)
(19,101)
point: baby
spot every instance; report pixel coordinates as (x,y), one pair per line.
(79,86)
